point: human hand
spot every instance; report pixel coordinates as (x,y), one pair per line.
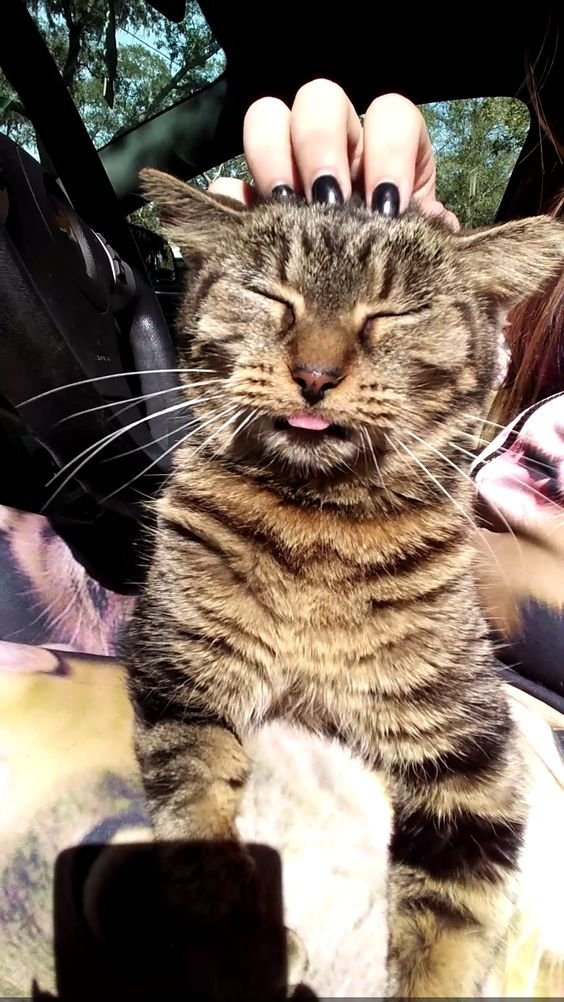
(520,484)
(319,148)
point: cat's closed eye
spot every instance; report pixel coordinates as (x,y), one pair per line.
(370,325)
(288,319)
(270,294)
(412,311)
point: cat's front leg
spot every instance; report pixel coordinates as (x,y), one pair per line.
(223,921)
(454,859)
(456,783)
(193,774)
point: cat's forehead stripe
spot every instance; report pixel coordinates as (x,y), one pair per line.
(388,272)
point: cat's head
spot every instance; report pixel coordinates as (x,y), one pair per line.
(345,341)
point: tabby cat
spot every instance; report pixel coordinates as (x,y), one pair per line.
(314,559)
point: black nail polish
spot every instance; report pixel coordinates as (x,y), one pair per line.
(326,190)
(386,199)
(282,192)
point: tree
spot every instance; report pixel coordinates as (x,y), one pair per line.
(121,60)
(476,143)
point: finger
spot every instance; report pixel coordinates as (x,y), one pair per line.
(326,137)
(268,147)
(397,150)
(233,188)
(448,217)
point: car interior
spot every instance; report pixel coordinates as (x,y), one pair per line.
(88,301)
(81,299)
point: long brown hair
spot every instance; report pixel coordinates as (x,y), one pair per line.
(535,337)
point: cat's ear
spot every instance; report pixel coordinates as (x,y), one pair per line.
(191,218)
(509,263)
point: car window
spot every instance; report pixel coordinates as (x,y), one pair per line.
(122,63)
(477,143)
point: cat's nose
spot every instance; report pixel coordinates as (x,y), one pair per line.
(315,382)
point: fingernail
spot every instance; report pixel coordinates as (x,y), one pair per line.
(282,191)
(326,190)
(386,199)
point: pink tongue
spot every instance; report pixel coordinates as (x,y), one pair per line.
(310,423)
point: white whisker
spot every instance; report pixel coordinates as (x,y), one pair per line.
(167,452)
(368,440)
(502,427)
(129,402)
(100,379)
(499,513)
(465,452)
(454,502)
(512,476)
(243,424)
(252,417)
(525,460)
(92,451)
(345,466)
(167,434)
(225,424)
(474,437)
(437,483)
(467,477)
(483,420)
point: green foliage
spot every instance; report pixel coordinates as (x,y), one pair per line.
(476,143)
(146,216)
(122,62)
(236,167)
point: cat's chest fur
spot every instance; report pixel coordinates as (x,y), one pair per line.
(309,595)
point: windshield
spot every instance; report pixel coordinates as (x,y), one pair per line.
(121,60)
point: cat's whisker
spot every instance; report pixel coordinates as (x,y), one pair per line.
(473,435)
(345,466)
(533,490)
(528,461)
(486,421)
(456,505)
(492,505)
(111,375)
(528,487)
(175,445)
(244,424)
(167,434)
(131,401)
(511,476)
(479,420)
(100,443)
(433,479)
(465,452)
(216,431)
(525,460)
(503,427)
(368,440)
(467,477)
(87,454)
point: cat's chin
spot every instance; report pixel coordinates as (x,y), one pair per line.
(308,452)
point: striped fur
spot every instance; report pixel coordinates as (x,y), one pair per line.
(330,580)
